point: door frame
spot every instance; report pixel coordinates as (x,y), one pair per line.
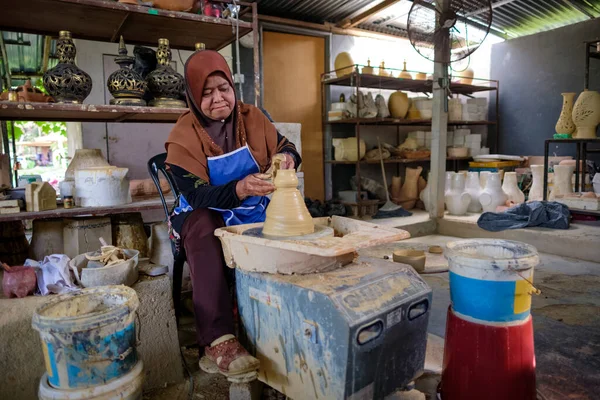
(272,27)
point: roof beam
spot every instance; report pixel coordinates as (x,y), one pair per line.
(362,17)
(579,8)
(484,9)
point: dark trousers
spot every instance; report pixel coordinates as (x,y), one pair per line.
(212,302)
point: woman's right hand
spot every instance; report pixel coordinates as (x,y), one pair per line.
(252,185)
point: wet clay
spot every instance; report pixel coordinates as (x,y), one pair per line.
(287,214)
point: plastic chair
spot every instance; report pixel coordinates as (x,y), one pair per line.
(156,164)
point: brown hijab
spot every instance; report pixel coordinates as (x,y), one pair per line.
(196,137)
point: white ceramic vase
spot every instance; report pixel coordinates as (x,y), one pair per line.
(536,192)
(473,188)
(565,121)
(493,195)
(511,188)
(425,194)
(586,114)
(448,184)
(563,181)
(457,200)
(483,175)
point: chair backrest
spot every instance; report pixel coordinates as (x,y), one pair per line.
(155,164)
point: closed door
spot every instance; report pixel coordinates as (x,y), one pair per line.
(292,68)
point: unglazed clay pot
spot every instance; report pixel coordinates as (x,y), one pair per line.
(287,214)
(174,5)
(343,64)
(345,149)
(421,76)
(536,192)
(565,121)
(368,69)
(414,258)
(413,112)
(473,188)
(425,194)
(410,189)
(563,181)
(396,187)
(421,185)
(511,188)
(586,114)
(456,199)
(466,76)
(398,104)
(483,175)
(404,74)
(493,195)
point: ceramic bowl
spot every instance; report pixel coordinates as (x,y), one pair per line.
(458,151)
(414,258)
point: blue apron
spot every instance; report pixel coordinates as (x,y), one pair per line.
(236,165)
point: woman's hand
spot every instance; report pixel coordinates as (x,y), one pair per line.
(252,185)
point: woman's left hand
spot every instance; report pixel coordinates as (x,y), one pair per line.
(288,163)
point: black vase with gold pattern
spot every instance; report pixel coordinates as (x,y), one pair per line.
(165,84)
(66,82)
(126,85)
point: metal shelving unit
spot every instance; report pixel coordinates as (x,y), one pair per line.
(359,81)
(107,20)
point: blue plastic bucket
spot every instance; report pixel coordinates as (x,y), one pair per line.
(88,337)
(491,280)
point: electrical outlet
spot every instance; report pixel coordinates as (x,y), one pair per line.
(238,78)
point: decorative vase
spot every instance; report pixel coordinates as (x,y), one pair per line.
(448,182)
(66,83)
(473,188)
(165,84)
(368,69)
(563,181)
(343,64)
(421,76)
(85,158)
(456,199)
(396,190)
(404,74)
(410,189)
(425,194)
(413,112)
(126,86)
(398,104)
(345,149)
(382,108)
(536,192)
(586,114)
(421,185)
(174,5)
(511,188)
(466,77)
(483,175)
(493,195)
(565,121)
(382,71)
(287,214)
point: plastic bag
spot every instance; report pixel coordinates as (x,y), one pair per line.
(53,274)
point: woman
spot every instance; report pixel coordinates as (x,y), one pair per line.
(215,153)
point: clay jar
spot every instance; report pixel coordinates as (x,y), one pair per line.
(343,64)
(287,214)
(398,104)
(565,120)
(511,188)
(410,190)
(473,188)
(174,5)
(586,114)
(493,195)
(396,191)
(563,182)
(536,192)
(425,194)
(457,200)
(345,149)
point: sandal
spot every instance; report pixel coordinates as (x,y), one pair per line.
(219,358)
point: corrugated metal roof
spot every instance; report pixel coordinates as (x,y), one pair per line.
(318,11)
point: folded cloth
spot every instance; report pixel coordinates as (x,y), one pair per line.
(546,214)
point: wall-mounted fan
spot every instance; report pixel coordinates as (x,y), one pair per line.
(459,28)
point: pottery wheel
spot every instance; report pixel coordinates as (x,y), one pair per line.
(321,231)
(434,263)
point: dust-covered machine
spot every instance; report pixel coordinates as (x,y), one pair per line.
(324,322)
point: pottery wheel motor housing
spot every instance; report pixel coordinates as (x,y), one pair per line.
(324,321)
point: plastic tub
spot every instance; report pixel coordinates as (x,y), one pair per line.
(88,337)
(491,280)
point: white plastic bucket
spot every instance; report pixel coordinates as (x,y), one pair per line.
(127,387)
(491,280)
(88,337)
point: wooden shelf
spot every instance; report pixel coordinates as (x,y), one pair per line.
(411,85)
(136,206)
(14,111)
(106,20)
(396,160)
(395,121)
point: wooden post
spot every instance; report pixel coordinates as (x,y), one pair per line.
(439,122)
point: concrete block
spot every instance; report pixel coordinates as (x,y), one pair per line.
(158,342)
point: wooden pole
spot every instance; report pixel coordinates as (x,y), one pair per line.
(439,122)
